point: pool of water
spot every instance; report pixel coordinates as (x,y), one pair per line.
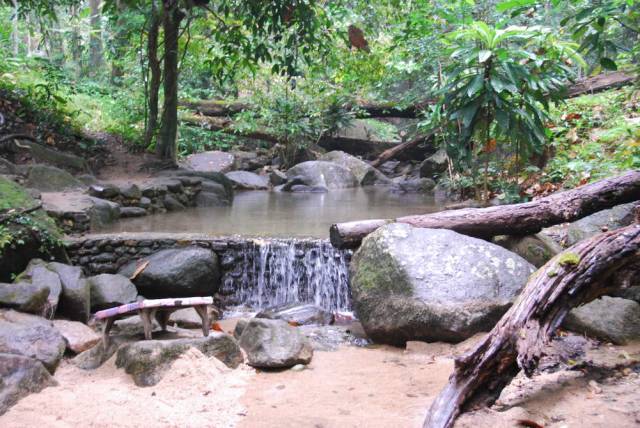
(275,214)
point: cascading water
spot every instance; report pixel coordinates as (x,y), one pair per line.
(264,273)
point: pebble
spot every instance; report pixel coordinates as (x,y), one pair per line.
(298,368)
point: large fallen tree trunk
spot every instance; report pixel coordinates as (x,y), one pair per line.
(400,148)
(517,219)
(572,278)
(221,108)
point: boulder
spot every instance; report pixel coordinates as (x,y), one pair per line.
(215,177)
(602,221)
(536,249)
(31,336)
(245,180)
(213,194)
(108,290)
(96,356)
(24,297)
(149,360)
(21,376)
(171,203)
(323,174)
(102,212)
(132,212)
(75,298)
(414,185)
(432,284)
(212,161)
(104,191)
(435,165)
(131,191)
(51,179)
(273,344)
(183,272)
(302,188)
(39,274)
(239,328)
(364,173)
(277,177)
(299,314)
(78,336)
(611,319)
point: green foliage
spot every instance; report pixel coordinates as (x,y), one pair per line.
(568,259)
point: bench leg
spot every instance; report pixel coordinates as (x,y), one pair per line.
(147,323)
(106,328)
(204,316)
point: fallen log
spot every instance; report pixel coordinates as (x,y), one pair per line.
(572,278)
(599,83)
(400,148)
(516,219)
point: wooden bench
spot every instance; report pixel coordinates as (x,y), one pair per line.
(160,309)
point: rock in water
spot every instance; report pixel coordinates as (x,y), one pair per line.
(148,361)
(364,173)
(432,284)
(78,336)
(323,174)
(74,300)
(274,344)
(31,336)
(611,319)
(246,180)
(109,290)
(435,165)
(184,272)
(298,314)
(24,297)
(20,377)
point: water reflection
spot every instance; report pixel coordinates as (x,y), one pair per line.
(277,214)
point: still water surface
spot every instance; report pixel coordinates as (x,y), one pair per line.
(275,214)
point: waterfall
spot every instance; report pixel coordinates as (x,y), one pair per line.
(263,273)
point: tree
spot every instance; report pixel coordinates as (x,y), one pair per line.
(95,38)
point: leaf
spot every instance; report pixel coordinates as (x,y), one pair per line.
(512,4)
(139,270)
(608,64)
(476,84)
(216,327)
(484,55)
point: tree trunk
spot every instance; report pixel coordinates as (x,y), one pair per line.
(95,39)
(156,74)
(517,219)
(572,278)
(15,34)
(171,17)
(400,148)
(119,45)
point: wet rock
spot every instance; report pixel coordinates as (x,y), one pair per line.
(246,180)
(611,219)
(536,249)
(20,377)
(239,328)
(131,191)
(145,202)
(103,212)
(39,274)
(212,161)
(78,336)
(171,203)
(364,173)
(274,344)
(108,290)
(24,297)
(435,165)
(104,191)
(51,179)
(301,188)
(611,319)
(298,314)
(149,360)
(433,285)
(132,212)
(185,272)
(414,185)
(74,300)
(31,336)
(324,174)
(277,177)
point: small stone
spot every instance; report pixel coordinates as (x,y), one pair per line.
(78,336)
(298,368)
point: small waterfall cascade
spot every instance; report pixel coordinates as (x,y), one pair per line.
(267,272)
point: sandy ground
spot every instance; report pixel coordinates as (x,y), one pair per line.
(351,387)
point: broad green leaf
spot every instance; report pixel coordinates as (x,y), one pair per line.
(608,64)
(476,84)
(484,55)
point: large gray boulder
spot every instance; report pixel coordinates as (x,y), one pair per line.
(435,165)
(212,161)
(300,314)
(432,284)
(108,290)
(21,376)
(602,221)
(274,344)
(39,274)
(536,249)
(611,319)
(213,194)
(245,180)
(148,361)
(323,174)
(24,297)
(75,298)
(185,272)
(51,179)
(31,336)
(78,336)
(364,173)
